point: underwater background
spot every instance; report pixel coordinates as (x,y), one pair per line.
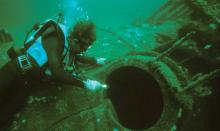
(124,17)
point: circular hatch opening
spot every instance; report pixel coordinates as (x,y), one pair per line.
(136,97)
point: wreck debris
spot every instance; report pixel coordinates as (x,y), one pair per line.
(180,9)
(86,108)
(6,42)
(200,80)
(5,37)
(211,8)
(175,45)
(172,10)
(157,69)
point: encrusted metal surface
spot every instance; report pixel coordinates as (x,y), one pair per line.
(69,107)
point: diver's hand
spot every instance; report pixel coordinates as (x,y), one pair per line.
(69,68)
(94,85)
(101,61)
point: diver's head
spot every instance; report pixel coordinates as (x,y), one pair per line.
(81,36)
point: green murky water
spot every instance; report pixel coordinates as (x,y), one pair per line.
(121,24)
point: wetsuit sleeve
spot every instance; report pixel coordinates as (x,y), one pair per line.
(54,47)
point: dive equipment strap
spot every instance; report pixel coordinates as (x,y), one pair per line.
(24,63)
(39,33)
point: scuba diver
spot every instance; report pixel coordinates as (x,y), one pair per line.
(47,52)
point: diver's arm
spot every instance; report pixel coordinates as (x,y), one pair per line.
(54,47)
(91,60)
(86,59)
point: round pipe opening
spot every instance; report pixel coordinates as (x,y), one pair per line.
(136,97)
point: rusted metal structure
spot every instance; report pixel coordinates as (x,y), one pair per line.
(209,7)
(146,92)
(172,10)
(5,37)
(6,41)
(182,9)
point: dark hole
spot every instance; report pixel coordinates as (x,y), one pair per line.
(136,97)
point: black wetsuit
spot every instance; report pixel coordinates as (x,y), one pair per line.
(54,46)
(12,79)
